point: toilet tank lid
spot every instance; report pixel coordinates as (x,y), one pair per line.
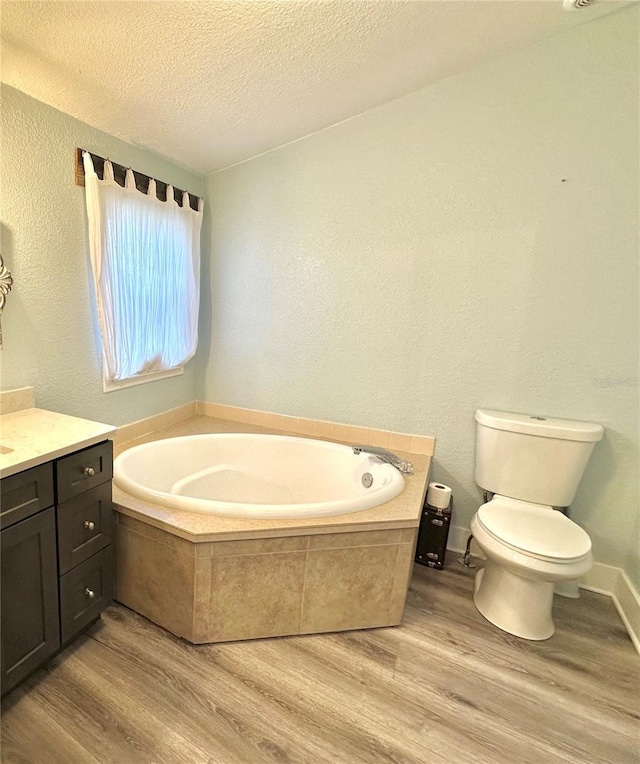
(544,427)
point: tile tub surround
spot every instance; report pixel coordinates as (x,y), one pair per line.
(417,444)
(318,428)
(210,578)
(264,587)
(154,423)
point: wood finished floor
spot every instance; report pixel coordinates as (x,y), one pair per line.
(445,687)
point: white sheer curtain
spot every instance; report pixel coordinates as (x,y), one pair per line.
(145,256)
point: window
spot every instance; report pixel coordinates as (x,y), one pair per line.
(145,257)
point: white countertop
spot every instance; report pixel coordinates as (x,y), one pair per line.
(35,436)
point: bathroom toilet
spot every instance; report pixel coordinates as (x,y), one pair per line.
(530,465)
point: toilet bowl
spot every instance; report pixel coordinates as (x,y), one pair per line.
(529,549)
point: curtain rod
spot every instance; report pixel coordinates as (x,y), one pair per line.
(142,180)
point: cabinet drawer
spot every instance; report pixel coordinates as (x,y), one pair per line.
(83,470)
(26,493)
(85,592)
(84,526)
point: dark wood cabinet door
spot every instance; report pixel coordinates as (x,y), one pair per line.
(29,590)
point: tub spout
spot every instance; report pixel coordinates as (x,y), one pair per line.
(386,456)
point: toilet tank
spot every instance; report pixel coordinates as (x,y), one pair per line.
(532,458)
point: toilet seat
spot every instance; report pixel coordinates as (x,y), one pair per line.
(534,530)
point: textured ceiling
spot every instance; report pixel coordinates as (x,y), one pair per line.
(211,83)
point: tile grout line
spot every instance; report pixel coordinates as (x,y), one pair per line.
(195,595)
(393,580)
(304,584)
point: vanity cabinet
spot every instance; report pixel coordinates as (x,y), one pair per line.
(57,567)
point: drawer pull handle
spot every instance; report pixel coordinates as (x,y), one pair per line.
(89,471)
(89,593)
(89,525)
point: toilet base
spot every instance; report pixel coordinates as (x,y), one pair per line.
(520,606)
(569,589)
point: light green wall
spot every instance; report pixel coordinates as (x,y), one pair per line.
(470,245)
(51,339)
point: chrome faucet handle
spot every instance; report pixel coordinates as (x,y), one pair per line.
(387,456)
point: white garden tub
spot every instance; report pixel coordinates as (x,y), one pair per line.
(245,475)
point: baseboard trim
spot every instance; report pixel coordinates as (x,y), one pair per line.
(602,579)
(627,601)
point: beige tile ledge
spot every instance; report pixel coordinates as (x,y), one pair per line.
(417,444)
(154,423)
(223,547)
(402,512)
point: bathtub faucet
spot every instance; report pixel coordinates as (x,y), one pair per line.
(386,456)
